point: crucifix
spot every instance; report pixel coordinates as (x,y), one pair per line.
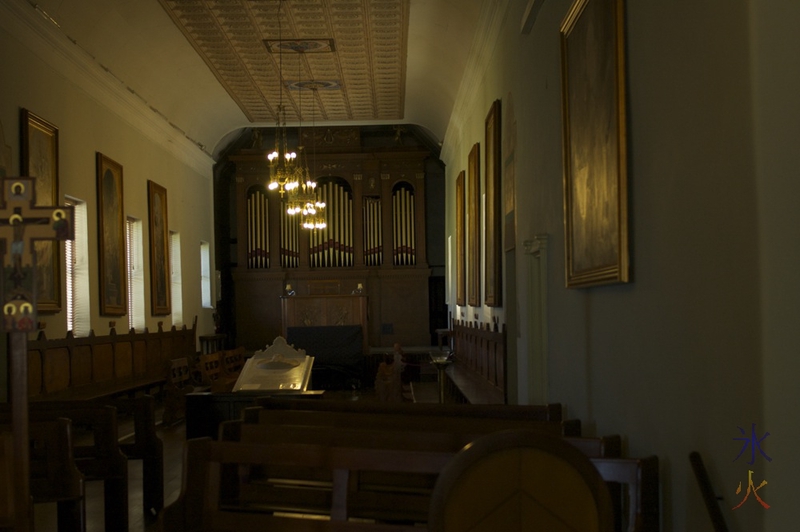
(21,224)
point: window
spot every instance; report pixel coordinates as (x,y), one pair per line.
(205,274)
(175,276)
(77,274)
(133,242)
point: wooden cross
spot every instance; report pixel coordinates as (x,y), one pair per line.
(21,224)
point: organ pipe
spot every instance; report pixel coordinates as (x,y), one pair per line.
(257,229)
(404,252)
(333,245)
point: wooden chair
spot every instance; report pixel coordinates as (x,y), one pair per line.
(179,384)
(520,480)
(707,490)
(233,361)
(213,374)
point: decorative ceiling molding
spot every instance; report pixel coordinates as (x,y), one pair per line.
(359,47)
(45,39)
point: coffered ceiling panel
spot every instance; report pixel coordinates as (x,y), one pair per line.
(327,60)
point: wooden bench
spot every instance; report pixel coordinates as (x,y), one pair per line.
(478,372)
(7,509)
(96,367)
(200,507)
(640,479)
(375,496)
(180,383)
(208,467)
(98,456)
(54,477)
(146,446)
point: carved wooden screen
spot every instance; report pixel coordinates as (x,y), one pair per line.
(333,246)
(404,250)
(257,228)
(290,239)
(373,232)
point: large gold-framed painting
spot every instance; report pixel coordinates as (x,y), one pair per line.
(461,264)
(474,226)
(111,237)
(160,279)
(595,151)
(39,159)
(493,278)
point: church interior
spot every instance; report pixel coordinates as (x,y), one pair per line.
(601,188)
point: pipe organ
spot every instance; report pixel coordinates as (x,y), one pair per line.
(373,233)
(373,244)
(290,240)
(333,246)
(403,225)
(257,228)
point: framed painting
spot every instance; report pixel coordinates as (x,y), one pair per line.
(111,238)
(39,159)
(461,258)
(595,151)
(474,225)
(492,269)
(159,250)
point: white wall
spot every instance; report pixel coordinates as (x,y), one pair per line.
(672,361)
(85,127)
(776,44)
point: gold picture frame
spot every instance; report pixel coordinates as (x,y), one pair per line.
(160,278)
(474,226)
(595,150)
(461,258)
(111,238)
(39,159)
(493,274)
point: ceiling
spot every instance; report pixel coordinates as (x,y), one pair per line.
(213,67)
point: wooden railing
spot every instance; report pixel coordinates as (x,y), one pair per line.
(478,374)
(95,367)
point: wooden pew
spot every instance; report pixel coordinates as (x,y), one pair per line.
(147,447)
(478,372)
(401,426)
(549,412)
(374,495)
(640,477)
(97,367)
(7,479)
(54,475)
(200,508)
(208,464)
(180,383)
(402,421)
(98,457)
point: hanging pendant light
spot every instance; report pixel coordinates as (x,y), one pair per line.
(283,171)
(304,194)
(314,210)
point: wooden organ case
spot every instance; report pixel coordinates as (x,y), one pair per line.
(374,239)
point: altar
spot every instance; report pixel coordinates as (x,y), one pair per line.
(334,330)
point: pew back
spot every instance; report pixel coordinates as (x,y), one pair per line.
(201,506)
(94,367)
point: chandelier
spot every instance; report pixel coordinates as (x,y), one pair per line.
(303,198)
(284,174)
